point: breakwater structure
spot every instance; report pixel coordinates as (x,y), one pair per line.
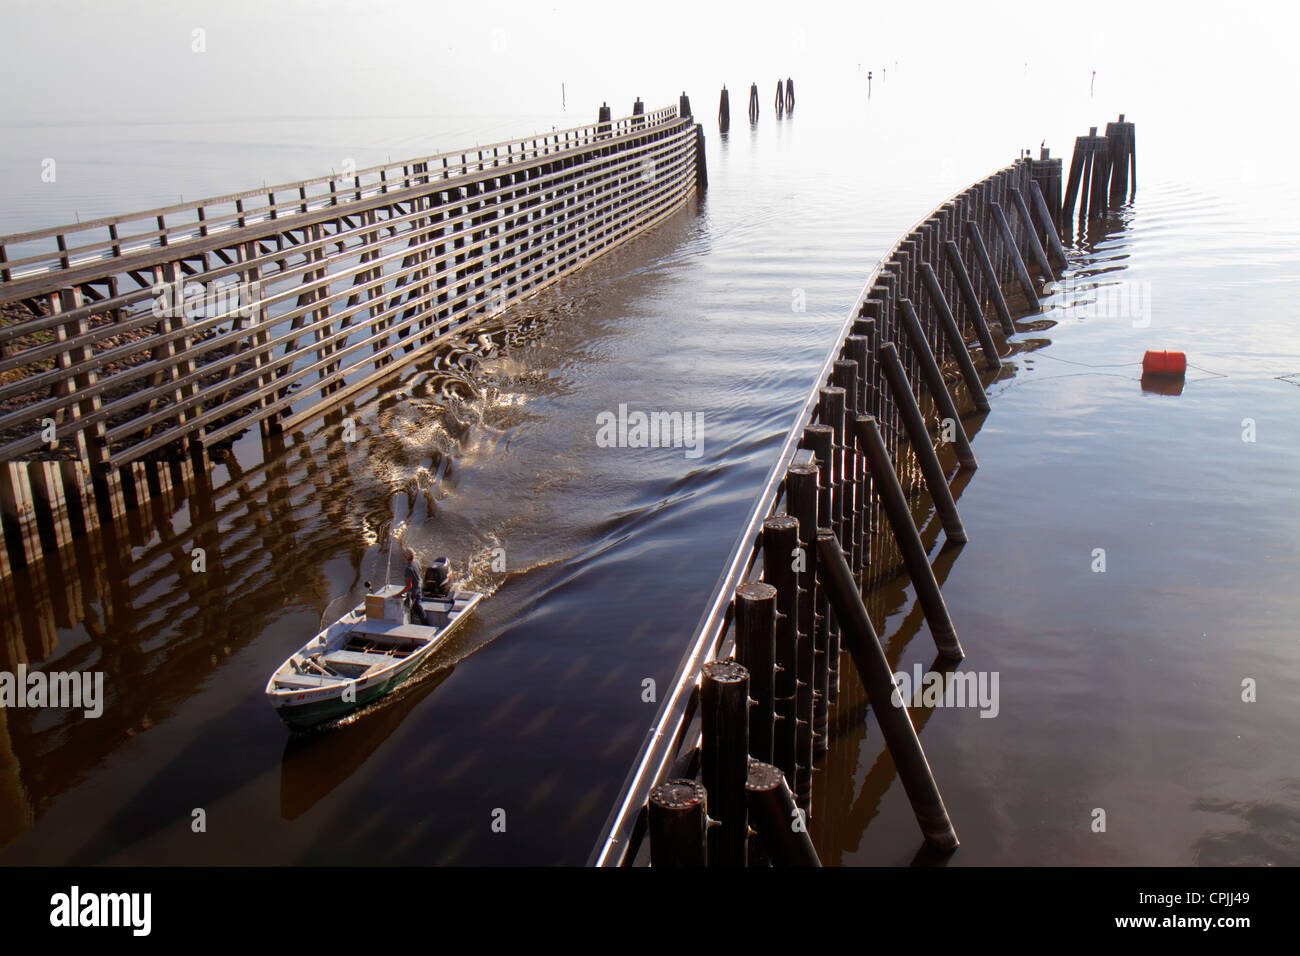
(727,773)
(134,348)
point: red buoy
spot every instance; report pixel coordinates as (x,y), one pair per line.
(1164,363)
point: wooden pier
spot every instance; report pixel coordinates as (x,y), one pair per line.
(133,346)
(836,516)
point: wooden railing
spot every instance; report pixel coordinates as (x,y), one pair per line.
(821,458)
(247,313)
(157,335)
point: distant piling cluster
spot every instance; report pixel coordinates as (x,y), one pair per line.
(783,103)
(1103,172)
(728,774)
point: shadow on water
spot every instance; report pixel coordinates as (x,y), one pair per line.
(315,763)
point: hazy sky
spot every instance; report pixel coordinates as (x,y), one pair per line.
(145,101)
(133,60)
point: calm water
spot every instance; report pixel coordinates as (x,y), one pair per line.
(1119,690)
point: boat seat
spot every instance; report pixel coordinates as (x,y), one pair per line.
(360,659)
(306,681)
(389,629)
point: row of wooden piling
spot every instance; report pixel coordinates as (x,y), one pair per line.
(139,559)
(1103,172)
(783,103)
(343,305)
(753,721)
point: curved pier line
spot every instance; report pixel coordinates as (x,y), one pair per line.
(669,749)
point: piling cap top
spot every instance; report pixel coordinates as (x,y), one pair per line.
(762,776)
(756,591)
(678,794)
(725,672)
(780,522)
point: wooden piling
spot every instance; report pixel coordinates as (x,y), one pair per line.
(1097,196)
(820,439)
(1017,263)
(912,550)
(776,819)
(973,307)
(878,681)
(1077,164)
(724,756)
(780,547)
(1039,205)
(919,437)
(724,111)
(831,411)
(855,350)
(78,495)
(992,287)
(1036,251)
(19,512)
(956,341)
(756,649)
(1131,140)
(934,383)
(678,817)
(801,501)
(47,491)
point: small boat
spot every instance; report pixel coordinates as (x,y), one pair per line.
(364,654)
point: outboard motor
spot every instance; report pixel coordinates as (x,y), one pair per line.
(437,580)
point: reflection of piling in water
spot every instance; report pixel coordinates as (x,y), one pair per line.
(878,681)
(852,475)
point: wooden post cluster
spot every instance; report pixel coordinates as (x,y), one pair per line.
(1102,170)
(838,513)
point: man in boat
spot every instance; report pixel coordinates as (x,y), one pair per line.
(412,590)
